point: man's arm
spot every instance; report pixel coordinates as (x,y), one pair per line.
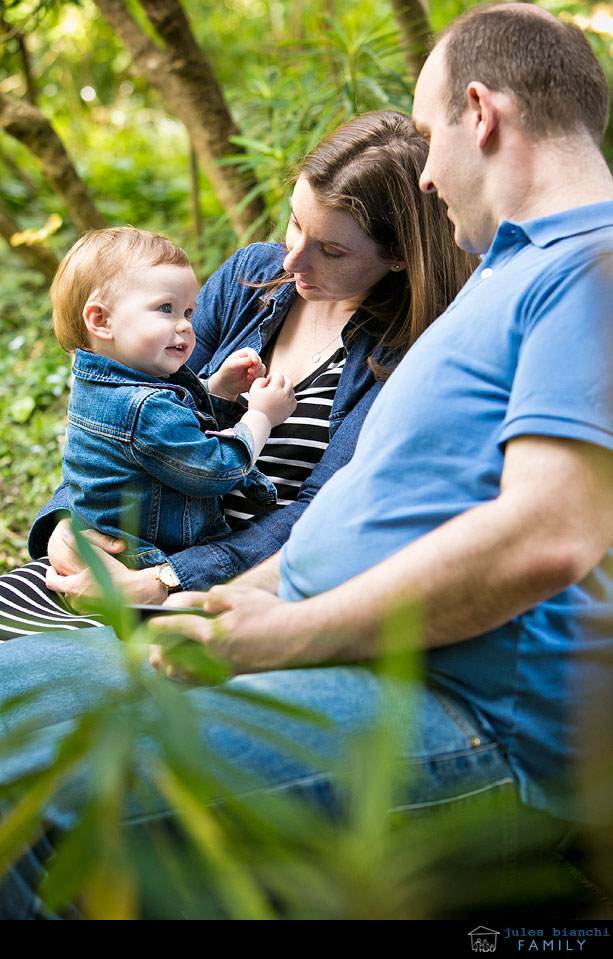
(550,525)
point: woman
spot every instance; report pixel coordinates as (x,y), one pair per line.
(369,262)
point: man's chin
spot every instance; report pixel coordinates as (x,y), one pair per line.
(471,244)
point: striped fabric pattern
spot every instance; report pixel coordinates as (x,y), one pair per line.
(27,606)
(297,445)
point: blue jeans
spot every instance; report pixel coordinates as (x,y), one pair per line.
(447,757)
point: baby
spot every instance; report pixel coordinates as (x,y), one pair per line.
(149,450)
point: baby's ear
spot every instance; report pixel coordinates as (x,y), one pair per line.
(96,317)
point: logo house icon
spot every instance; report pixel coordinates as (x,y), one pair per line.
(483,939)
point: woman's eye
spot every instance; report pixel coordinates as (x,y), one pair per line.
(165,308)
(332,252)
(293,222)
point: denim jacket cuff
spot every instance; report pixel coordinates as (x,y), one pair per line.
(201,569)
(244,433)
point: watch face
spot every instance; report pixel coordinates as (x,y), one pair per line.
(167,576)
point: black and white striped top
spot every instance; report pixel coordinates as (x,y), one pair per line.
(296,445)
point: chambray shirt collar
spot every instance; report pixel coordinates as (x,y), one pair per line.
(281,300)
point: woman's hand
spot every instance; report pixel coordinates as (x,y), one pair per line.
(68,573)
(249,634)
(62,549)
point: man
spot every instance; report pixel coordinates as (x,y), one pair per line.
(481,484)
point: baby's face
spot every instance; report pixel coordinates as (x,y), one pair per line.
(151,320)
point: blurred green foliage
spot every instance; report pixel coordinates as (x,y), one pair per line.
(290,69)
(234,849)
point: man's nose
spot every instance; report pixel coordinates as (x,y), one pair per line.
(426,184)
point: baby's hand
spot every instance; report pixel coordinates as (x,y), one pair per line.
(236,374)
(273,396)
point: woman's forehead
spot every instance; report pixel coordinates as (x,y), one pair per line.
(323,222)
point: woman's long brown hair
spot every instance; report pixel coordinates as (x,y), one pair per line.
(370,168)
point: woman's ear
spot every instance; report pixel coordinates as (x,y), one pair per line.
(97,320)
(398,266)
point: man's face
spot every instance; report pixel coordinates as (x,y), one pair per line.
(451,169)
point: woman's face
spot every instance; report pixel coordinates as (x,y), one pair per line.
(330,256)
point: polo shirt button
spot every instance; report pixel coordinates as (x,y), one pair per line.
(486,272)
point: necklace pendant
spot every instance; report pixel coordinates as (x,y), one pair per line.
(316,357)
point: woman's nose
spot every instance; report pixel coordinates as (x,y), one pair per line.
(295,260)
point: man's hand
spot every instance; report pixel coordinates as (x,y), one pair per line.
(250,634)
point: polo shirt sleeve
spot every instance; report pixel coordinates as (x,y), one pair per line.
(563,384)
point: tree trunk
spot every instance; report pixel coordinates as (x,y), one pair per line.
(30,127)
(196,218)
(36,257)
(184,77)
(415,33)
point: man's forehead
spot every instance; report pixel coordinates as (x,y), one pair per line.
(429,86)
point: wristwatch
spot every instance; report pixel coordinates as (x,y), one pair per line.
(166,575)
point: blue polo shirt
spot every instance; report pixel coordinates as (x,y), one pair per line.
(525,348)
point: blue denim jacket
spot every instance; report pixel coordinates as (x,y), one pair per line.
(229,317)
(145,460)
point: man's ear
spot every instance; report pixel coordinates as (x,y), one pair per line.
(483,112)
(96,317)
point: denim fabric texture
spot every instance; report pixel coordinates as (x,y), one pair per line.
(145,459)
(228,317)
(444,757)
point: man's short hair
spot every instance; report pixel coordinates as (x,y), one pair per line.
(99,265)
(548,66)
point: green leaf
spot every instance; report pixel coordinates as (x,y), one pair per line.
(22,408)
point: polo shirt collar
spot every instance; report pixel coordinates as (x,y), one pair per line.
(582,219)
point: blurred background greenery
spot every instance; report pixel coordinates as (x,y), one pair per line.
(287,71)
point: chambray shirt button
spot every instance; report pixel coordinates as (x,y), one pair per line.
(486,272)
(475,741)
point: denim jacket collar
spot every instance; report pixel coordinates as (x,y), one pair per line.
(100,369)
